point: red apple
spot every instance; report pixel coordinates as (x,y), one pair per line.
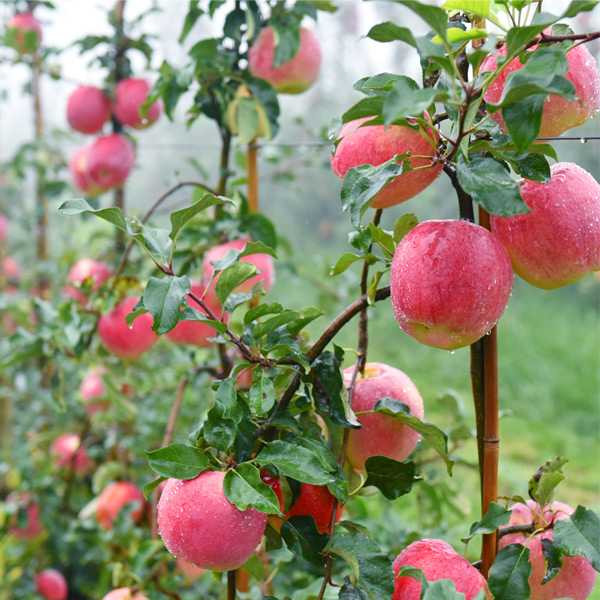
(4,227)
(124,593)
(450,283)
(51,585)
(558,242)
(381,435)
(374,145)
(559,114)
(22,24)
(198,523)
(196,333)
(80,175)
(294,76)
(438,560)
(110,160)
(33,527)
(83,269)
(263,262)
(314,500)
(121,340)
(130,94)
(92,387)
(69,454)
(88,109)
(114,497)
(576,577)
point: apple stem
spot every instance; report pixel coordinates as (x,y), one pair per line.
(252,166)
(231,590)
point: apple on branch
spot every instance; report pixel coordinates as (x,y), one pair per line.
(110,160)
(576,577)
(88,109)
(381,435)
(130,95)
(114,497)
(51,585)
(558,242)
(450,283)
(294,76)
(24,33)
(197,523)
(376,144)
(438,560)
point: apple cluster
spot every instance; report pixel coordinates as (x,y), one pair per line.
(131,342)
(107,162)
(451,280)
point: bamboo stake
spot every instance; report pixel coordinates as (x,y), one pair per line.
(252,165)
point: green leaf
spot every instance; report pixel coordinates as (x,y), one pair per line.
(180,218)
(361,184)
(222,420)
(307,315)
(302,538)
(113,215)
(261,310)
(407,99)
(491,185)
(191,314)
(543,484)
(383,239)
(403,225)
(553,558)
(518,37)
(434,436)
(580,535)
(328,389)
(390,32)
(344,261)
(456,34)
(477,7)
(287,41)
(442,589)
(371,567)
(377,84)
(163,299)
(232,277)
(177,461)
(193,14)
(534,167)
(367,107)
(262,395)
(495,516)
(350,591)
(508,576)
(392,478)
(295,461)
(578,6)
(150,487)
(274,322)
(244,487)
(435,17)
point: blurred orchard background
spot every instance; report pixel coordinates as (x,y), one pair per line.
(549,341)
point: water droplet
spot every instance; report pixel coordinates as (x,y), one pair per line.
(583,140)
(452,351)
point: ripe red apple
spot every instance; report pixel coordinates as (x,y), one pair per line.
(438,560)
(374,145)
(559,114)
(294,76)
(88,109)
(33,527)
(110,160)
(558,242)
(124,593)
(22,24)
(263,262)
(51,585)
(196,333)
(69,454)
(86,268)
(198,523)
(80,175)
(4,227)
(121,340)
(314,500)
(381,435)
(450,283)
(114,497)
(130,94)
(576,578)
(92,387)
